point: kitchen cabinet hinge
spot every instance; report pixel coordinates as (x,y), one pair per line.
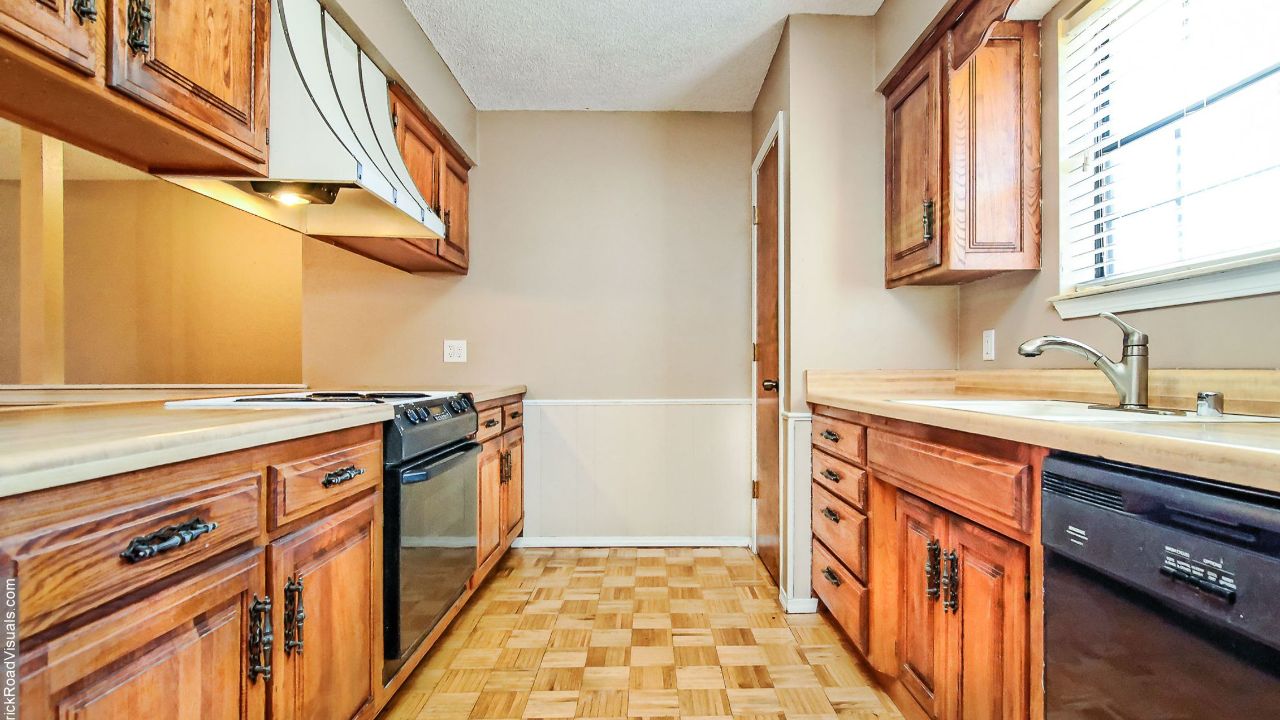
(755,215)
(755,489)
(268,136)
(755,352)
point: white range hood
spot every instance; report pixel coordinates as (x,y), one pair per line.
(330,127)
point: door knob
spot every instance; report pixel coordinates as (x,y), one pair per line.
(770,385)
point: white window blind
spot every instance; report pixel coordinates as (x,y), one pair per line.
(1171,137)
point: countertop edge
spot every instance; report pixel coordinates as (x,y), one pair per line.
(235,436)
(1260,466)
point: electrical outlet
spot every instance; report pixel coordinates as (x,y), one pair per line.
(455,351)
(988,344)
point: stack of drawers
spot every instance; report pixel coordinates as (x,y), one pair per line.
(840,523)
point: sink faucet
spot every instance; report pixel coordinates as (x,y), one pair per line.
(1129,376)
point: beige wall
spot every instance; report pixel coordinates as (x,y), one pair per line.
(609,260)
(897,25)
(1224,334)
(8,281)
(389,32)
(840,313)
(166,286)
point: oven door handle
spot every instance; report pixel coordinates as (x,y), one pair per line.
(439,465)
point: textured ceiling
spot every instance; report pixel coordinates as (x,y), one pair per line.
(613,54)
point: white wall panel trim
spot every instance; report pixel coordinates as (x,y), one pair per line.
(642,401)
(797,605)
(632,541)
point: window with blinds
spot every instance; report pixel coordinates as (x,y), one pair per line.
(1171,137)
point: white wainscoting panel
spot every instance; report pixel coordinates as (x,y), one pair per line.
(638,472)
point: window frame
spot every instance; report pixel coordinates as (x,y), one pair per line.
(1221,279)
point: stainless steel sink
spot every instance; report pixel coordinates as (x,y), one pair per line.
(1062,411)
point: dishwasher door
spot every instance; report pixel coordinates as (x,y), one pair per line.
(1162,596)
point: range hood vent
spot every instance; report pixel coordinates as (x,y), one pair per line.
(330,128)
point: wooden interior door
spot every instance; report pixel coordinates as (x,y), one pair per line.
(489,487)
(201,62)
(513,488)
(922,530)
(325,669)
(420,146)
(454,205)
(768,542)
(56,28)
(179,654)
(913,171)
(988,634)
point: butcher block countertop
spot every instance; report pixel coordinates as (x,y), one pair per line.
(80,434)
(1245,454)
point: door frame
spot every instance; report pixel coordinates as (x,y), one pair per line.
(776,133)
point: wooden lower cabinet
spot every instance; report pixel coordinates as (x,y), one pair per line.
(327,617)
(500,481)
(513,480)
(489,487)
(180,654)
(963,616)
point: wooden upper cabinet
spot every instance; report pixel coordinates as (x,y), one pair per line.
(454,206)
(420,146)
(201,62)
(183,653)
(62,29)
(921,626)
(327,573)
(913,166)
(989,634)
(962,150)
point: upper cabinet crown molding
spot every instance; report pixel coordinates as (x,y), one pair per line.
(962,153)
(161,85)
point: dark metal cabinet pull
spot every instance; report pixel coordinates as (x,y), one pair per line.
(85,10)
(769,385)
(491,423)
(932,568)
(504,474)
(927,221)
(295,613)
(337,477)
(166,539)
(515,414)
(260,638)
(830,514)
(830,436)
(831,576)
(950,582)
(831,475)
(139,23)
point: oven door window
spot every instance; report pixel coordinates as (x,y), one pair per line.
(1113,653)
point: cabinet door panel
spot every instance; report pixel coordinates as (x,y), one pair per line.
(989,633)
(921,641)
(513,488)
(178,654)
(490,490)
(913,165)
(54,27)
(202,62)
(331,677)
(454,205)
(422,150)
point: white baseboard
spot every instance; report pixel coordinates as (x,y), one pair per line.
(797,605)
(632,541)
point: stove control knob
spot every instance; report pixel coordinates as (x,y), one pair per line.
(455,406)
(412,415)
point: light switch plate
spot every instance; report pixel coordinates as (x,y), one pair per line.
(455,351)
(988,344)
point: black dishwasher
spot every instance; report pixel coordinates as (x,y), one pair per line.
(1162,595)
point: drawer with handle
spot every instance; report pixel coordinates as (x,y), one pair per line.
(301,487)
(489,424)
(512,415)
(842,529)
(77,565)
(839,477)
(842,593)
(840,438)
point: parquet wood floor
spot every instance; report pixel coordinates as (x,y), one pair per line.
(637,633)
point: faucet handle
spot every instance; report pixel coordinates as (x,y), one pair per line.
(1133,337)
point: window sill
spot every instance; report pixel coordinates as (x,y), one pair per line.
(1223,282)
